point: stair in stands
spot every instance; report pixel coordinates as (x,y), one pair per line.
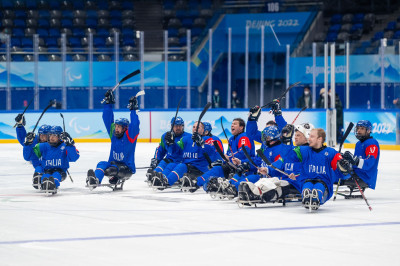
(149,16)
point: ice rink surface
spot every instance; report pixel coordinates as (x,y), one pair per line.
(139,226)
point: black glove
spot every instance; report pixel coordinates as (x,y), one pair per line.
(244,167)
(198,139)
(133,103)
(20,119)
(344,166)
(170,138)
(276,107)
(255,113)
(109,97)
(217,163)
(30,136)
(153,163)
(66,138)
(354,160)
(287,134)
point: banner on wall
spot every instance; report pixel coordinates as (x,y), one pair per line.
(82,125)
(383,125)
(360,72)
(89,125)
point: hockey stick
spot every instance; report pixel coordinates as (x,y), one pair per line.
(64,131)
(362,194)
(223,130)
(218,148)
(348,130)
(45,109)
(201,116)
(283,94)
(134,73)
(25,109)
(261,154)
(249,157)
(176,114)
(304,108)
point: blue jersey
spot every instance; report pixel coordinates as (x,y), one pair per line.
(53,157)
(170,152)
(369,151)
(194,155)
(236,143)
(122,149)
(318,164)
(21,134)
(210,141)
(252,131)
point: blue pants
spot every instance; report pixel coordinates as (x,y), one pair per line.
(213,172)
(56,175)
(161,166)
(236,179)
(322,193)
(39,169)
(165,168)
(176,173)
(101,167)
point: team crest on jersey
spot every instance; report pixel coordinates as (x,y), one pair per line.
(270,153)
(326,153)
(62,148)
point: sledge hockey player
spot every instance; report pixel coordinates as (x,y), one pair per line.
(211,138)
(365,159)
(167,155)
(123,134)
(320,167)
(56,155)
(195,163)
(274,185)
(43,137)
(238,161)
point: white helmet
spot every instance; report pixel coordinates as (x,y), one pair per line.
(304,128)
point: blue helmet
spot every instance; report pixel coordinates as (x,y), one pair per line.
(123,122)
(178,121)
(55,130)
(270,133)
(207,127)
(44,129)
(367,125)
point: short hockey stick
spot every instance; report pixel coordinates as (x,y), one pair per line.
(303,109)
(261,154)
(218,148)
(134,73)
(176,114)
(64,131)
(283,94)
(362,194)
(223,130)
(201,116)
(25,109)
(249,157)
(45,109)
(348,130)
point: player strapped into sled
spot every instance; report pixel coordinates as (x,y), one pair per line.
(118,173)
(267,190)
(189,179)
(353,192)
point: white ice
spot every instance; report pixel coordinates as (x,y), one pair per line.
(139,226)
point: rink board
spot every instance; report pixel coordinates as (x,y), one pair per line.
(88,126)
